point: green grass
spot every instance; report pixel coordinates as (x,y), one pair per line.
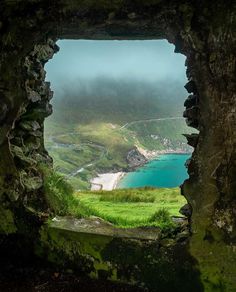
(168,131)
(128,196)
(122,207)
(162,218)
(86,140)
(101,126)
(115,144)
(96,118)
(129,208)
(58,192)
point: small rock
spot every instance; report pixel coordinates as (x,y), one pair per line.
(186,210)
(132,15)
(182,236)
(191,87)
(32,183)
(18,152)
(191,113)
(3,112)
(190,101)
(135,158)
(192,139)
(192,123)
(187,162)
(33,96)
(167,242)
(29,125)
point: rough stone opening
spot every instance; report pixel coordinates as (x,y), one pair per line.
(56,235)
(105,95)
(64,93)
(205,33)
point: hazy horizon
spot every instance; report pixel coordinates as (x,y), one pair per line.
(150,67)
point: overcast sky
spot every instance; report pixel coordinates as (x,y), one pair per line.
(150,61)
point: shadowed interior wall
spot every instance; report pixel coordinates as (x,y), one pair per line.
(201,30)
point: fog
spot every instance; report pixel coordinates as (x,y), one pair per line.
(85,70)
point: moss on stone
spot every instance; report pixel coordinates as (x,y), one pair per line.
(7,224)
(216,259)
(141,262)
(79,251)
(204,31)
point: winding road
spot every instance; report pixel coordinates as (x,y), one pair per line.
(148,120)
(103,150)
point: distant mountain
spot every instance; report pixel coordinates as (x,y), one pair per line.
(119,101)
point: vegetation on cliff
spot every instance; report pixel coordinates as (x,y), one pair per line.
(81,149)
(121,207)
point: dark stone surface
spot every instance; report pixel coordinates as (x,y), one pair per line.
(204,31)
(186,210)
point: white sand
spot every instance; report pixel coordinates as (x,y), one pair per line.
(106,181)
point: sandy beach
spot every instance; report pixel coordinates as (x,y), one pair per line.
(106,181)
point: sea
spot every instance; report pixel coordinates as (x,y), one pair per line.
(166,171)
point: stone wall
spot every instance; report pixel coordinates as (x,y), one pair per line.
(144,257)
(204,31)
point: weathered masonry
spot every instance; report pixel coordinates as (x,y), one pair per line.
(204,31)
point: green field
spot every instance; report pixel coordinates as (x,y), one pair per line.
(121,207)
(132,207)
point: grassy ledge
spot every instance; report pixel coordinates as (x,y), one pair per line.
(133,207)
(121,207)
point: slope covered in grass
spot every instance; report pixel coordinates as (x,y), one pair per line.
(121,207)
(133,207)
(94,128)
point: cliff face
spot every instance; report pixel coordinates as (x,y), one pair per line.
(204,31)
(135,158)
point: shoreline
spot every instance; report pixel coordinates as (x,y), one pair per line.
(106,181)
(152,154)
(109,181)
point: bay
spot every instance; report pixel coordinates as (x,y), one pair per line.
(166,171)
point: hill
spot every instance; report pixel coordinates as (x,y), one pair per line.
(95,126)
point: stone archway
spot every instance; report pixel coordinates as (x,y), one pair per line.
(204,32)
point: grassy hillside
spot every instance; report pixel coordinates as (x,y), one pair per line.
(103,147)
(133,207)
(161,135)
(118,101)
(86,133)
(123,208)
(90,148)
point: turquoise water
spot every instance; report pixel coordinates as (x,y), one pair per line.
(166,171)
